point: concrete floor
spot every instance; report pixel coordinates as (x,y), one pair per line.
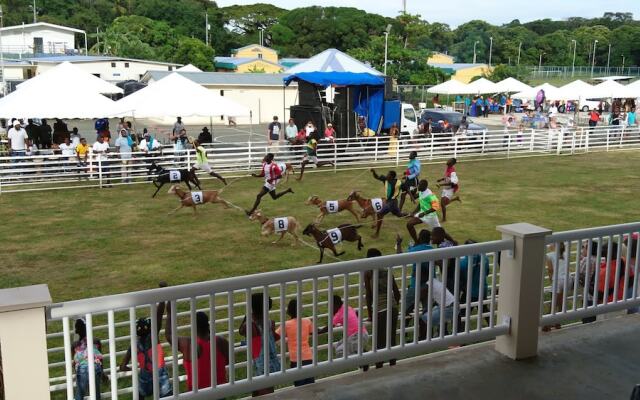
(595,361)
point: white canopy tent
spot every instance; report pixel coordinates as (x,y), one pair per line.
(511,85)
(449,87)
(610,90)
(50,99)
(71,77)
(575,90)
(634,88)
(175,96)
(551,92)
(481,86)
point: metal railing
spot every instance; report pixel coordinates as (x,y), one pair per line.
(592,271)
(551,71)
(45,172)
(464,311)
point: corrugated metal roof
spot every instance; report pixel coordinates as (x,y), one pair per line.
(224,78)
(80,58)
(41,24)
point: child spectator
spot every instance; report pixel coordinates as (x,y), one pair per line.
(291,334)
(80,356)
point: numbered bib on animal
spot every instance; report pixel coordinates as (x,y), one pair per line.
(197,197)
(281,224)
(377,204)
(335,235)
(332,206)
(174,175)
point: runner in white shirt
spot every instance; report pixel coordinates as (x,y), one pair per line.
(272,175)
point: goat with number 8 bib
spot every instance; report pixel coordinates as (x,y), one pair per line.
(329,238)
(193,199)
(276,225)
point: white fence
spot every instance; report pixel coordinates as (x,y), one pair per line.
(45,172)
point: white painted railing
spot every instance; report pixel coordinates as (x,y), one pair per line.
(45,172)
(112,318)
(597,272)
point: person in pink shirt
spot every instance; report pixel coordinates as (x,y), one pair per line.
(350,344)
(329,133)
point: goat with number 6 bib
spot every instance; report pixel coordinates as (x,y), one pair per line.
(276,225)
(331,207)
(329,238)
(193,199)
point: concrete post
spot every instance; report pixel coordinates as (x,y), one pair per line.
(521,289)
(23,339)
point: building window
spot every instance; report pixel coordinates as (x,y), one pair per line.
(221,92)
(170,68)
(126,65)
(113,65)
(260,56)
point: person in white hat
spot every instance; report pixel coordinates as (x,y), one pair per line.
(17,140)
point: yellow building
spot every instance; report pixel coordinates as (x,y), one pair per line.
(440,58)
(252,58)
(463,72)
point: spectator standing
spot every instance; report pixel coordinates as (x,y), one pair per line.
(60,131)
(75,137)
(557,266)
(257,342)
(291,131)
(309,129)
(273,131)
(148,143)
(144,353)
(423,243)
(33,132)
(205,136)
(476,267)
(291,335)
(82,153)
(124,147)
(180,141)
(132,133)
(594,117)
(80,357)
(631,118)
(203,352)
(102,129)
(101,149)
(178,126)
(17,140)
(383,303)
(350,343)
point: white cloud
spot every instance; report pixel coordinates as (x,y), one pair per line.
(457,12)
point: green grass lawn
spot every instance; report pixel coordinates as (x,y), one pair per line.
(92,242)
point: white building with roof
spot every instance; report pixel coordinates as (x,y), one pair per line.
(264,94)
(41,38)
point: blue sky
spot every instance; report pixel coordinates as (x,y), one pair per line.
(456,12)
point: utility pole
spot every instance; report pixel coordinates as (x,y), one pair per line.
(386,47)
(3,89)
(206,28)
(593,60)
(519,50)
(404,6)
(474,50)
(573,66)
(608,58)
(622,73)
(97,39)
(35,13)
(490,49)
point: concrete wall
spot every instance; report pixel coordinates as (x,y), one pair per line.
(264,102)
(120,72)
(55,41)
(465,75)
(259,65)
(255,52)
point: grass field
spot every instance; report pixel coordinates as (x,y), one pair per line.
(86,243)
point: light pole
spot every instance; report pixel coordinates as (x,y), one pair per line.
(622,73)
(490,49)
(4,85)
(386,47)
(474,50)
(261,36)
(206,28)
(573,65)
(35,14)
(608,58)
(519,49)
(593,60)
(540,63)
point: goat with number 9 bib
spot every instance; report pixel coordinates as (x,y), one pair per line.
(329,238)
(193,199)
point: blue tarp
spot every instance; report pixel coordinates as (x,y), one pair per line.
(391,113)
(368,102)
(336,78)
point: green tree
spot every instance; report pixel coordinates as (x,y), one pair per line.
(502,71)
(193,51)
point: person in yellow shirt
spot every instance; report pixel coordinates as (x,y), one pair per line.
(82,153)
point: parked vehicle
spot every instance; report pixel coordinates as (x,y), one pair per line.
(593,104)
(454,118)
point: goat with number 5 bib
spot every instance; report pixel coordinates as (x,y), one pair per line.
(331,207)
(281,225)
(193,199)
(328,239)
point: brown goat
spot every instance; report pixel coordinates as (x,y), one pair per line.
(324,239)
(365,204)
(324,210)
(193,199)
(269,226)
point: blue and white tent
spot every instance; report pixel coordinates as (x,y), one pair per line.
(333,67)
